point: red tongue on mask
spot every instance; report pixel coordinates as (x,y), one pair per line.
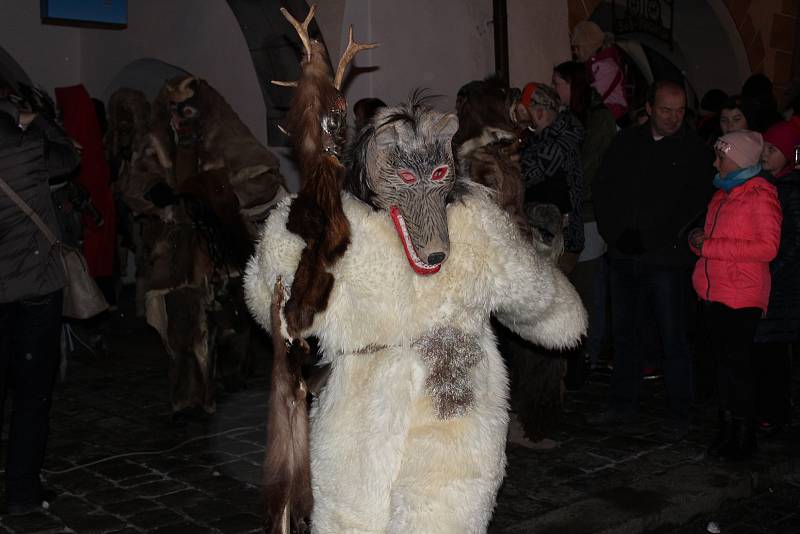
(418,265)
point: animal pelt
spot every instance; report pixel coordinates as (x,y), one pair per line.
(222,141)
(537,374)
(316,215)
(144,170)
(191,356)
(487,144)
(180,256)
(128,122)
(547,226)
(537,382)
(496,165)
(287,475)
(382,458)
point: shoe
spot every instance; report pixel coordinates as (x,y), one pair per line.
(27,507)
(604,368)
(651,373)
(613,417)
(765,429)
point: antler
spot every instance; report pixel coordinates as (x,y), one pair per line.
(353,48)
(302,32)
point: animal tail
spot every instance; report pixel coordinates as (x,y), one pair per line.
(287,468)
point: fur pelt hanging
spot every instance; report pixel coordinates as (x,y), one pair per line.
(316,124)
(287,476)
(487,144)
(316,213)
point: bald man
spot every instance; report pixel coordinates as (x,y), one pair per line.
(655,182)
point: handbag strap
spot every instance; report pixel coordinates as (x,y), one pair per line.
(26,209)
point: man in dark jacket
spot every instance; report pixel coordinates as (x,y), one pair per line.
(32,150)
(654,183)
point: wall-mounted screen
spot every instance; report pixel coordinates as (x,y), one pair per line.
(97,13)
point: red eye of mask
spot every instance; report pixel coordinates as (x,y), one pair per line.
(407,176)
(439,173)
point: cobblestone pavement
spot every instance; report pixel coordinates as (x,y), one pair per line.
(773,510)
(121,464)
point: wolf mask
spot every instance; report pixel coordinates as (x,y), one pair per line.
(403,163)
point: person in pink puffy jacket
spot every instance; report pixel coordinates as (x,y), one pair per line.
(740,238)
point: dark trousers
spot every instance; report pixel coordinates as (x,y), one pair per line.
(637,289)
(773,371)
(30,333)
(590,281)
(731,334)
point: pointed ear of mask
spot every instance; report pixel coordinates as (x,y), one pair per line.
(386,136)
(398,132)
(446,127)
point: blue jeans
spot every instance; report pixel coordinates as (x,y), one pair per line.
(634,286)
(30,334)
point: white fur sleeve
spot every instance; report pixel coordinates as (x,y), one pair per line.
(277,254)
(532,296)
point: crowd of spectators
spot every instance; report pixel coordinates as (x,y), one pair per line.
(662,196)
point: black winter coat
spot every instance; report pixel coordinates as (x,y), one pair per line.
(782,322)
(28,266)
(648,194)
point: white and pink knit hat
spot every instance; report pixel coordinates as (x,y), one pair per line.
(743,147)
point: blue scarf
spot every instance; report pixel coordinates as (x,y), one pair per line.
(736,178)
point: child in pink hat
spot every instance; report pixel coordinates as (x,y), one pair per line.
(732,278)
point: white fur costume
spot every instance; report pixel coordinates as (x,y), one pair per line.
(381,459)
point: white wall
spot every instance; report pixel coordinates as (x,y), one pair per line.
(435,44)
(50,55)
(202,37)
(443,44)
(538,39)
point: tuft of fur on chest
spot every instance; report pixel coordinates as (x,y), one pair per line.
(449,354)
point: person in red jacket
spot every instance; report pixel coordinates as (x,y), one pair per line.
(740,238)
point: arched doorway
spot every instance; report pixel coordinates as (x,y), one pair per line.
(707,49)
(11,73)
(276,51)
(147,75)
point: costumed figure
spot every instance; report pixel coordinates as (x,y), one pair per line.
(487,145)
(408,434)
(128,128)
(210,182)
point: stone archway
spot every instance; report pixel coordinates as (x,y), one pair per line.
(275,50)
(146,75)
(739,10)
(766,31)
(11,72)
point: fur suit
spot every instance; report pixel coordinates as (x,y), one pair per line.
(398,446)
